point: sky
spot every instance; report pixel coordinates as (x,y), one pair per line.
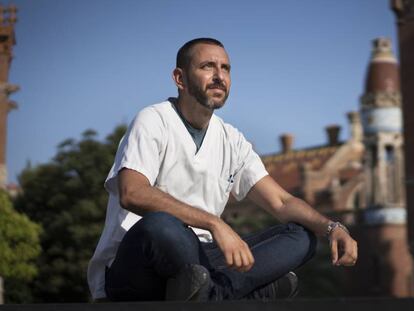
(297,66)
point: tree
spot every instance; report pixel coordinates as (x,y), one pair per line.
(19,247)
(66,196)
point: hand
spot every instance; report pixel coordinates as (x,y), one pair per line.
(344,250)
(236,252)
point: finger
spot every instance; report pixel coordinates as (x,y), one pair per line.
(355,251)
(346,260)
(251,258)
(334,251)
(245,261)
(237,261)
(247,257)
(348,256)
(344,256)
(229,258)
(351,256)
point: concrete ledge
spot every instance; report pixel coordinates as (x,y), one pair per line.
(354,304)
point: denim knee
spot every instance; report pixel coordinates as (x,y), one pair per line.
(162,227)
(306,239)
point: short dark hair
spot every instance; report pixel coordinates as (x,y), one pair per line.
(184,53)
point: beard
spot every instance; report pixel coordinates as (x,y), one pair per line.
(204,99)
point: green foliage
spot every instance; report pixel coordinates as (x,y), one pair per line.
(244,224)
(19,247)
(319,278)
(66,196)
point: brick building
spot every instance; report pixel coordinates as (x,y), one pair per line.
(358,181)
(7,40)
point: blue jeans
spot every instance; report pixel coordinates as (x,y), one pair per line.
(159,245)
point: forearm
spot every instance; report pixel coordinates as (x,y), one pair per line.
(285,207)
(150,199)
(297,210)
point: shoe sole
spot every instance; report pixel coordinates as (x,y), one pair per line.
(293,278)
(188,284)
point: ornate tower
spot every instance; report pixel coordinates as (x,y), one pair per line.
(7,40)
(385,266)
(382,122)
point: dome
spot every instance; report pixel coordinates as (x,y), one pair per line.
(383,72)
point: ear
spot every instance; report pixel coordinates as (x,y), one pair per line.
(178,77)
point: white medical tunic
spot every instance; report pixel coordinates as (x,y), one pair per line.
(158,145)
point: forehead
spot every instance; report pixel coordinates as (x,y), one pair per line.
(208,52)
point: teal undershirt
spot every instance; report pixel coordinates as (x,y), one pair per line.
(196,134)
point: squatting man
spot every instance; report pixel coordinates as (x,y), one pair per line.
(172,176)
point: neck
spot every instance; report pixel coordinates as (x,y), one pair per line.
(196,114)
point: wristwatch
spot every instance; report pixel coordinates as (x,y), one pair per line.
(333,225)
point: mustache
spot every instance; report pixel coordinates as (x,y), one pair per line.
(217,85)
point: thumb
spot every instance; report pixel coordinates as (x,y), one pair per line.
(334,251)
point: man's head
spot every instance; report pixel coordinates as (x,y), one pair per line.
(184,53)
(203,72)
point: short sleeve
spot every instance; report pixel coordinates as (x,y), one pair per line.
(249,171)
(140,149)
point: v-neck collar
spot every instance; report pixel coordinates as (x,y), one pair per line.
(188,136)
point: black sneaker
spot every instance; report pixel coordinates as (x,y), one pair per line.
(285,287)
(192,283)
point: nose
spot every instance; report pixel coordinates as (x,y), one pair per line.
(218,74)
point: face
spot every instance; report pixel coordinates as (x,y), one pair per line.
(208,75)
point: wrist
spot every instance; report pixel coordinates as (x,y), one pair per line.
(332,226)
(213,223)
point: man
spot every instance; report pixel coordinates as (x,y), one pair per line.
(175,168)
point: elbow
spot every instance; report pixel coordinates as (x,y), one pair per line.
(277,206)
(124,199)
(133,194)
(276,209)
(131,201)
(280,206)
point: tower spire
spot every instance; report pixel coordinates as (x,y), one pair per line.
(381,229)
(382,84)
(382,122)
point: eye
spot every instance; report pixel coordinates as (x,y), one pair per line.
(226,68)
(207,66)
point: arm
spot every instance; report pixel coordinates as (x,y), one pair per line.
(138,196)
(285,207)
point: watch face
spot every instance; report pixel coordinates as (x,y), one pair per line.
(332,226)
